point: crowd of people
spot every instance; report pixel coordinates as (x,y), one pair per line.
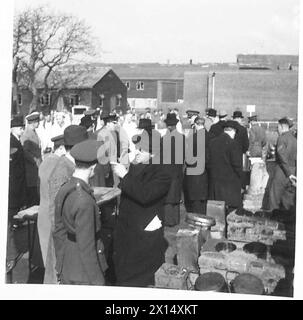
(158,161)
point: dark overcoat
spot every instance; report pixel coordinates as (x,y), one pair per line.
(82,257)
(196,186)
(225,168)
(241,138)
(17,180)
(138,254)
(33,158)
(216,129)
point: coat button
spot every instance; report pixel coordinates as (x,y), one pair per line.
(99,251)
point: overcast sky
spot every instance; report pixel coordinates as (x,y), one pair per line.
(179,30)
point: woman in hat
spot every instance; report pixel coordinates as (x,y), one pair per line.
(139,243)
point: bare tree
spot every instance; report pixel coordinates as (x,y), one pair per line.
(46,41)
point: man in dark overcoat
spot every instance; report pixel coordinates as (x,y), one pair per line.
(17,186)
(282,193)
(139,243)
(225,167)
(243,142)
(218,127)
(173,155)
(196,185)
(82,260)
(33,158)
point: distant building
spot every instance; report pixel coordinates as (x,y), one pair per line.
(96,88)
(265,61)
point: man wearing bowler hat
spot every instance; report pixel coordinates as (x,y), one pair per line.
(173,151)
(33,157)
(225,167)
(80,260)
(62,172)
(241,135)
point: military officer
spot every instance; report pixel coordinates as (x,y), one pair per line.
(33,157)
(82,260)
(281,195)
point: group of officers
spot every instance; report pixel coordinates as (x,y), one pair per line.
(122,241)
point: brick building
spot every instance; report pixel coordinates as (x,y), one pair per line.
(96,88)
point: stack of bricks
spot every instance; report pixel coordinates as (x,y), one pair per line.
(251,228)
(230,264)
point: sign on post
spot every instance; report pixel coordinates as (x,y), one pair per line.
(250,108)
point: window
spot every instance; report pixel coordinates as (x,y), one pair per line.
(45,100)
(19,98)
(101,100)
(119,98)
(127,84)
(140,85)
(74,100)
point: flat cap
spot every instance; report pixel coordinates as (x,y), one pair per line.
(58,140)
(231,124)
(17,121)
(192,112)
(35,116)
(253,118)
(74,134)
(222,114)
(86,151)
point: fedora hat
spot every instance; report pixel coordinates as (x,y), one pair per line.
(145,124)
(237,114)
(171,119)
(212,113)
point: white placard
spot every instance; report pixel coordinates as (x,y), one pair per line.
(251,108)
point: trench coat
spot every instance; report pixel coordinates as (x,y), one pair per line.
(33,158)
(46,211)
(61,174)
(17,179)
(225,169)
(281,193)
(81,258)
(138,254)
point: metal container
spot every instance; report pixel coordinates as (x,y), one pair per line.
(200,220)
(257,248)
(247,283)
(225,247)
(211,281)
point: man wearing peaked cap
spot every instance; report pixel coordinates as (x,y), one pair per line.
(61,173)
(33,157)
(84,262)
(33,117)
(47,197)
